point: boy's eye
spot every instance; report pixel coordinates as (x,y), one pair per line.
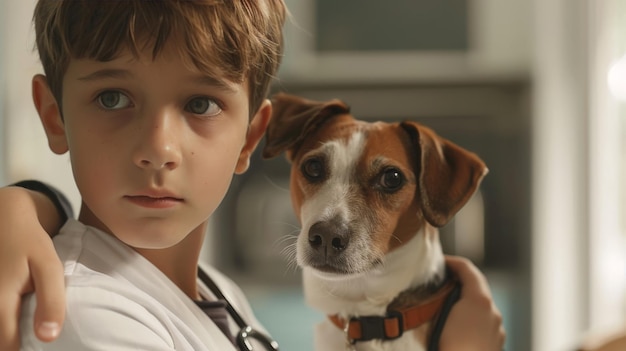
(113,100)
(203,106)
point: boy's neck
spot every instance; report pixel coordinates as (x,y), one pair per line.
(180,262)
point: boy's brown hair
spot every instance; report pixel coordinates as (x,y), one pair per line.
(241,39)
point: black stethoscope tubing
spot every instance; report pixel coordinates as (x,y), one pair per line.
(246,331)
(435,336)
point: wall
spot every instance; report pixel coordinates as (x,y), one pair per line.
(26,153)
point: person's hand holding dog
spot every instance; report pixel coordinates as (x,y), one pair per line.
(474,323)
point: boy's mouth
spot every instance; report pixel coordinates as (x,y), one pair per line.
(158,201)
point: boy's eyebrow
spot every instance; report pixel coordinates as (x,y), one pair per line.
(214,82)
(121,74)
(106,73)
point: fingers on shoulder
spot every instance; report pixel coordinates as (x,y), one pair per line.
(9,333)
(49,284)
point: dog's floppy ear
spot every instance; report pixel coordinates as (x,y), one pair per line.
(448,174)
(292,118)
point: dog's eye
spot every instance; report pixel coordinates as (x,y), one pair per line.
(392,179)
(313,169)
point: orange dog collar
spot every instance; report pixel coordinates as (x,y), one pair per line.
(395,322)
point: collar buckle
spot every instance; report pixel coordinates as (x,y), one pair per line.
(389,327)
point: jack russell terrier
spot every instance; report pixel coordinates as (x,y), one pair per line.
(369,198)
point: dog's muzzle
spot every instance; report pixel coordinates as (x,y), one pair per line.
(327,242)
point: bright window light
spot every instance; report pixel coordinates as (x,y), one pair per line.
(617,79)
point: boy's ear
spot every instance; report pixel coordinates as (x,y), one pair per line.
(256,130)
(50,115)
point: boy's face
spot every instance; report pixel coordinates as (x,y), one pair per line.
(153,144)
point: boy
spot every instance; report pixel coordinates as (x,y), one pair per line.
(158,103)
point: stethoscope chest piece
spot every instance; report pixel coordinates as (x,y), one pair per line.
(247,333)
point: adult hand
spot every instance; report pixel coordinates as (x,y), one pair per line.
(474,323)
(28,262)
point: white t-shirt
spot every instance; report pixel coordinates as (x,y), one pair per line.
(117,300)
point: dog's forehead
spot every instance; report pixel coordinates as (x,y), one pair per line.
(389,144)
(344,128)
(376,141)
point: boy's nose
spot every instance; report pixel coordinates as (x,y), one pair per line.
(158,144)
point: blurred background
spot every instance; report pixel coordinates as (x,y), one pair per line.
(536,88)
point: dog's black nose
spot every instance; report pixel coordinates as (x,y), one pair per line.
(325,235)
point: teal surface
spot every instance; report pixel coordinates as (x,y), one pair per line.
(287,318)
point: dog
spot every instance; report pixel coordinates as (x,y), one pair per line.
(369,198)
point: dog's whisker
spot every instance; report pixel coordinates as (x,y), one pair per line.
(379,258)
(284,239)
(290,255)
(289,251)
(292,267)
(393,236)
